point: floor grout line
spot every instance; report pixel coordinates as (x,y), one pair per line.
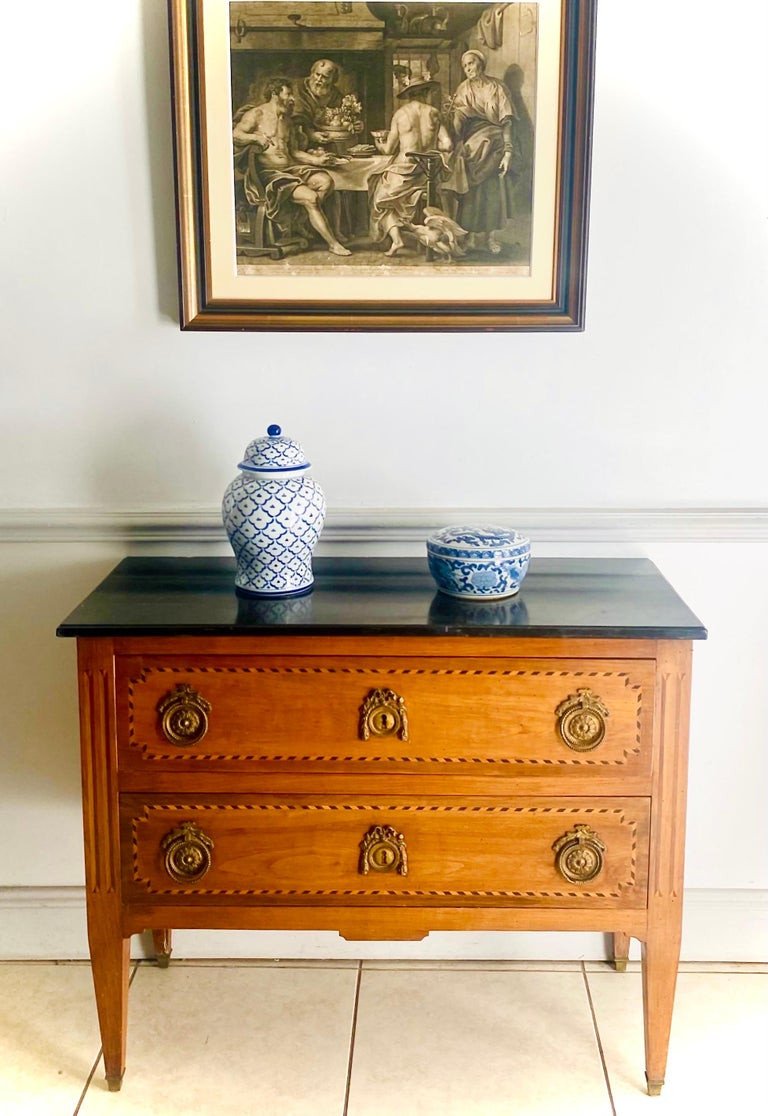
(380,966)
(252,963)
(352,1037)
(88,1081)
(598,1040)
(95,1065)
(760,968)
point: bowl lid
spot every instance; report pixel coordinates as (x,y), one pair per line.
(484,541)
(273,453)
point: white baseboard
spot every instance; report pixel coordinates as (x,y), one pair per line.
(48,923)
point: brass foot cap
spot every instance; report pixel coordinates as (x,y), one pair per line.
(163,960)
(114,1081)
(654,1087)
(620,964)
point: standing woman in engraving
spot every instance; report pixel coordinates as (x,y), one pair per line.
(483,122)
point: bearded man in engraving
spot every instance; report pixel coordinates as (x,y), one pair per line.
(314,95)
(267,145)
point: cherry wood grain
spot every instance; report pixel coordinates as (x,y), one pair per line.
(493,716)
(475,852)
(620,951)
(290,777)
(375,645)
(109,947)
(661,945)
(375,923)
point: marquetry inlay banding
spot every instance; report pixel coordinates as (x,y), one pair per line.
(410,894)
(458,893)
(384,671)
(348,807)
(192,757)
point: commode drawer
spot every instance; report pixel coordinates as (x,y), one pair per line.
(330,850)
(518,717)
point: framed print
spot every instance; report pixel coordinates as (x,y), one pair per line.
(368,166)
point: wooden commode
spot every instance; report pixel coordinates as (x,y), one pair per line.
(379,759)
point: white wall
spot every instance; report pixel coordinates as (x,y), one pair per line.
(111,418)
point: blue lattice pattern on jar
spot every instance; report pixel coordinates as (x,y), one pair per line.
(478,563)
(273,526)
(273,453)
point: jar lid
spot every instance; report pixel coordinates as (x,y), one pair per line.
(477,542)
(274,453)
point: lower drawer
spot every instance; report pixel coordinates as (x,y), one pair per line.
(329,850)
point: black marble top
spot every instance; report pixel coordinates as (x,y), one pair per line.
(614,598)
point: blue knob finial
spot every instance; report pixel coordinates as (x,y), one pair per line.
(274,430)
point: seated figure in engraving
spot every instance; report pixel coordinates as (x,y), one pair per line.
(267,145)
(394,194)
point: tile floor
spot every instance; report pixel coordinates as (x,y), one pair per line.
(381,1039)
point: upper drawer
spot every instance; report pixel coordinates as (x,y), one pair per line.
(481,717)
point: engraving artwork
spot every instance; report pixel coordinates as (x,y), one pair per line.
(383,137)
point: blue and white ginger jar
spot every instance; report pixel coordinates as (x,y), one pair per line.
(273,513)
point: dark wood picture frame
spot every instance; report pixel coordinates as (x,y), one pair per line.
(204,307)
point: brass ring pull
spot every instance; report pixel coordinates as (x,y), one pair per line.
(187,853)
(383,849)
(581,720)
(579,854)
(184,716)
(383,713)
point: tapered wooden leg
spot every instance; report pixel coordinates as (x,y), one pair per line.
(661,947)
(163,943)
(661,956)
(110,960)
(620,951)
(109,948)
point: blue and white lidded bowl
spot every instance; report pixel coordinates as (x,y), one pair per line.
(273,513)
(478,563)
